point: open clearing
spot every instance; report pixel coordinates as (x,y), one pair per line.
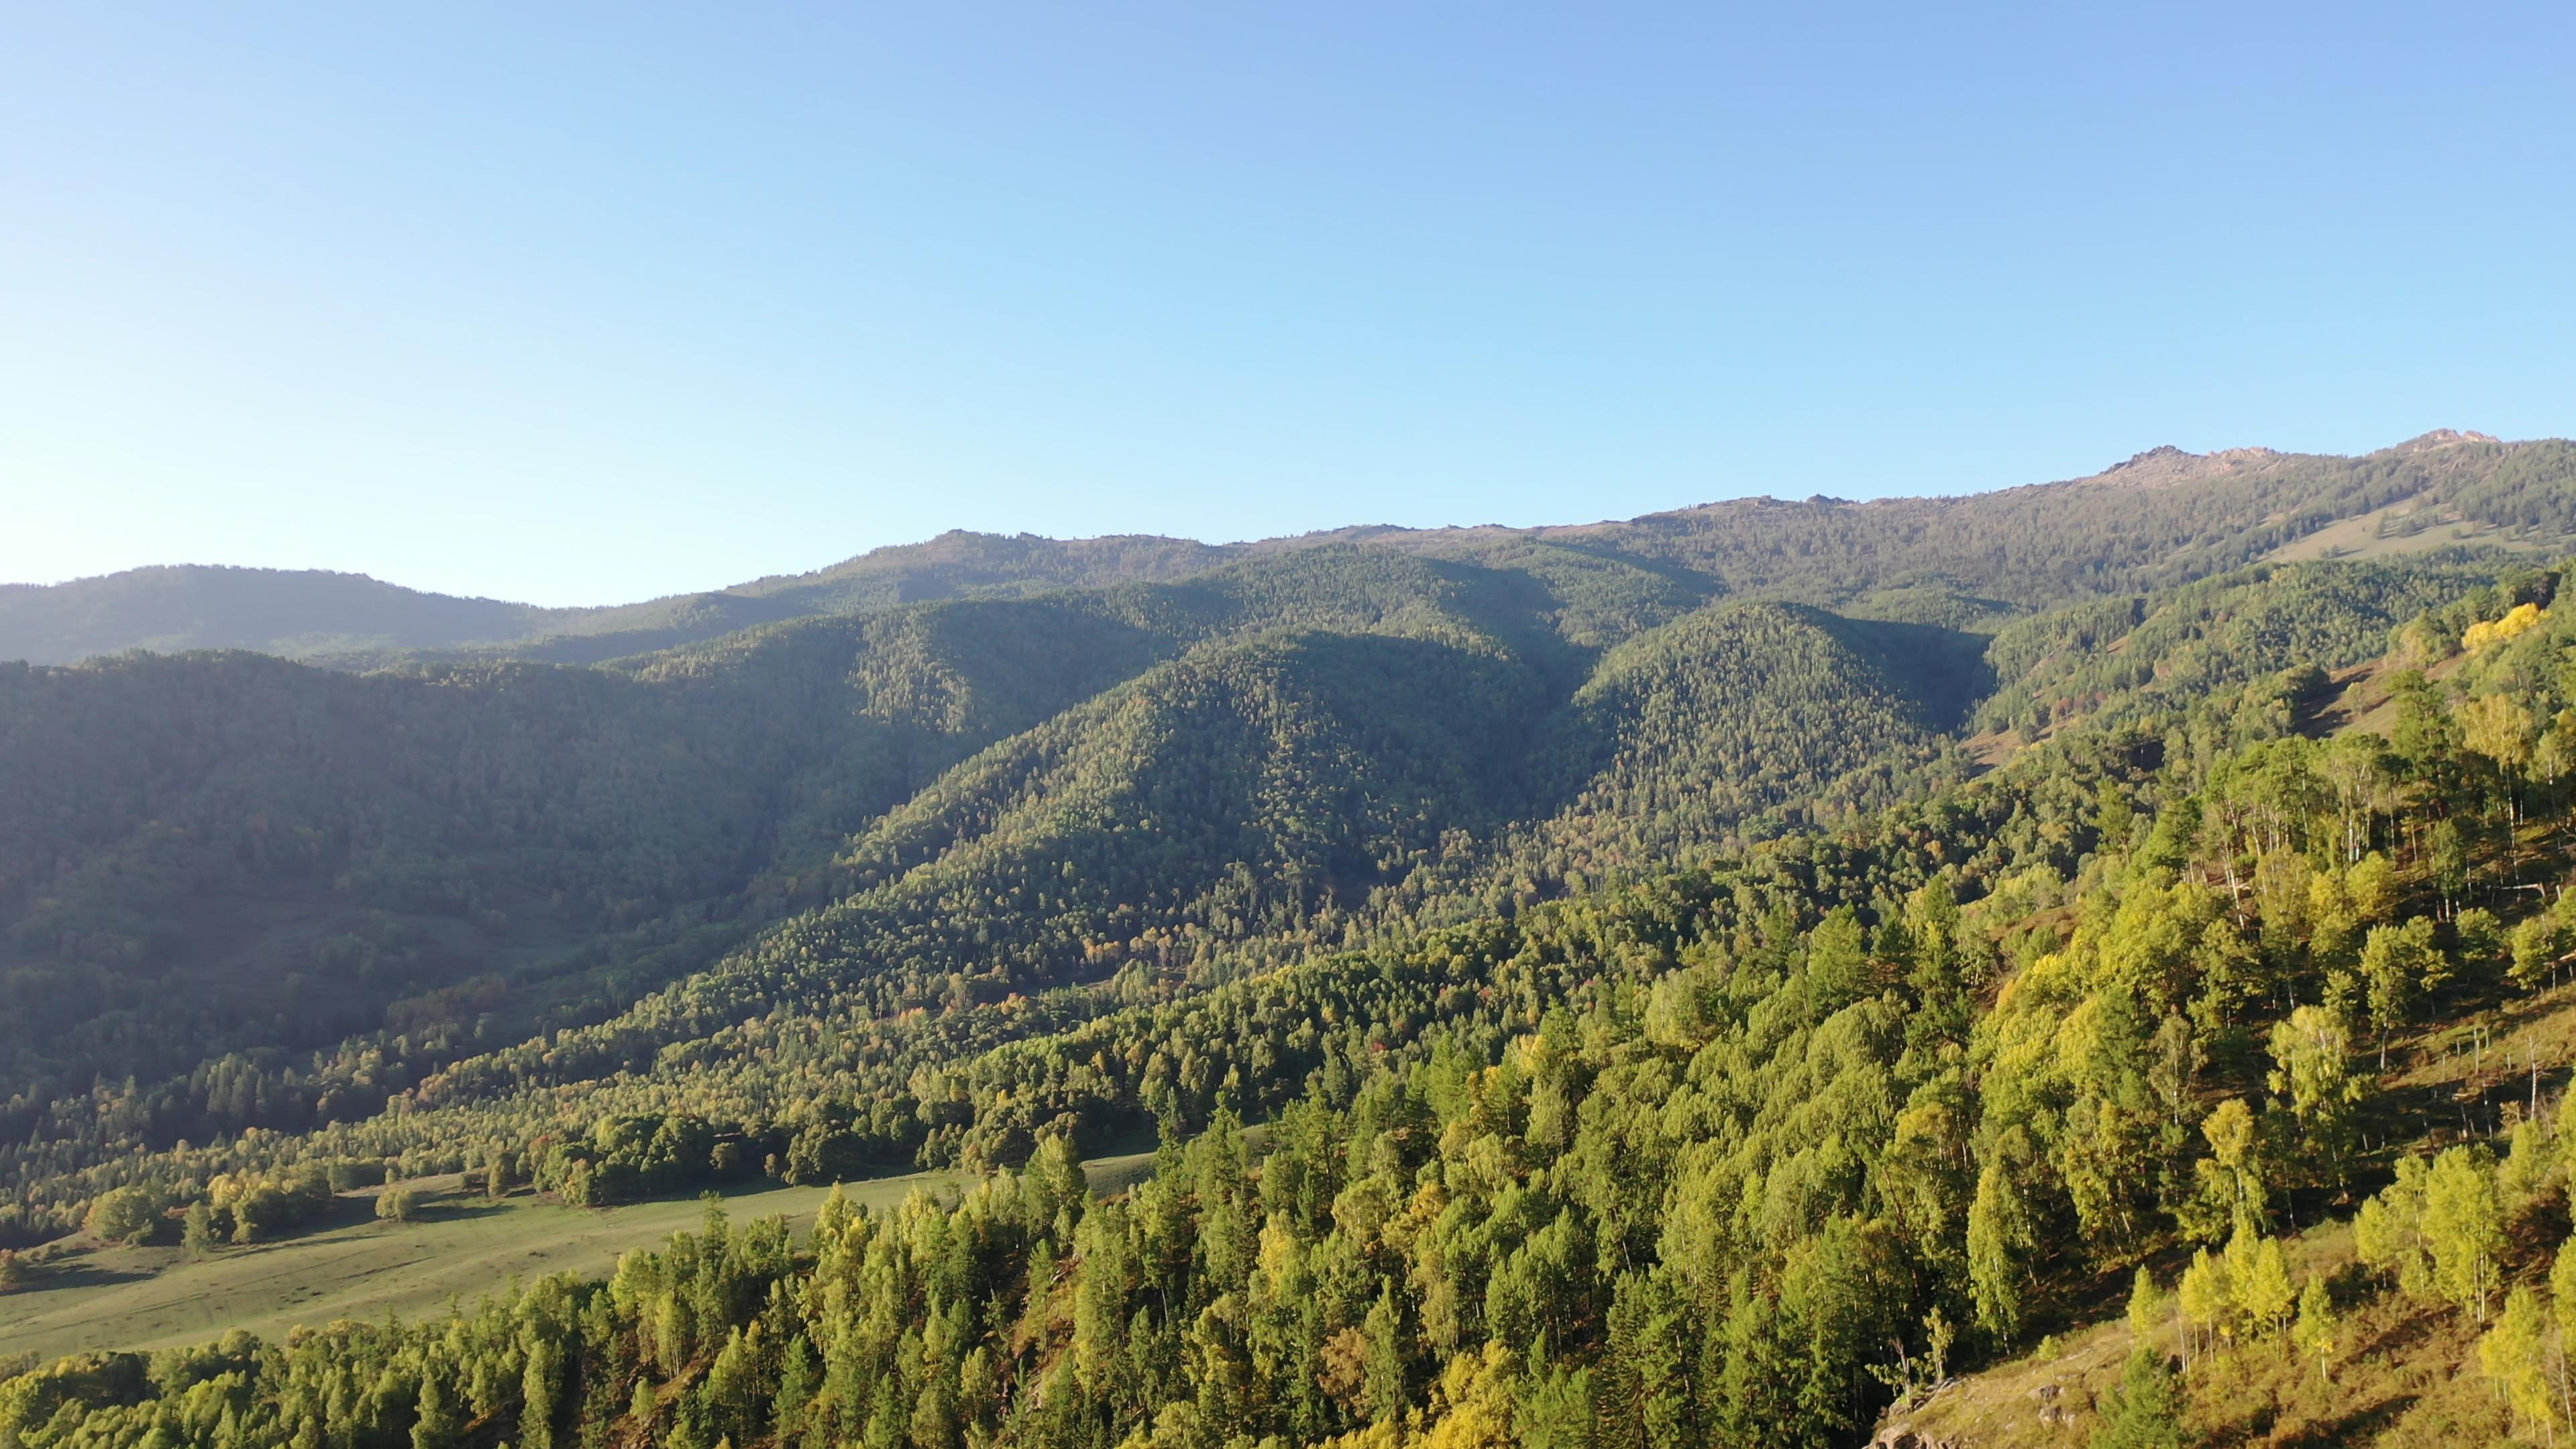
(353,1266)
(2362,537)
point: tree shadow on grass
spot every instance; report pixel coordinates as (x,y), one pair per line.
(2361,1426)
(2404,1334)
(77,1273)
(458,1210)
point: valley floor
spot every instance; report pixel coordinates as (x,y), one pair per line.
(356,1267)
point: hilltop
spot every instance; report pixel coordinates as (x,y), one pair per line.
(2161,517)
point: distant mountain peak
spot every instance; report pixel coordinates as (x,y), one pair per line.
(2165,465)
(2442,438)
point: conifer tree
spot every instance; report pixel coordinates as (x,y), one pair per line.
(1999,1235)
(197,1230)
(2145,1411)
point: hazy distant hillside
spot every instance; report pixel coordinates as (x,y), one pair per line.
(2162,518)
(952,566)
(276,611)
(353,620)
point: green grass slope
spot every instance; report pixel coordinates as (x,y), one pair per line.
(461,1249)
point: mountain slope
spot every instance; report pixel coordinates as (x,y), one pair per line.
(2120,657)
(218,854)
(280,896)
(2164,518)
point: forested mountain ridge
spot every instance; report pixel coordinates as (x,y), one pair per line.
(2162,518)
(1731,1154)
(433,862)
(224,862)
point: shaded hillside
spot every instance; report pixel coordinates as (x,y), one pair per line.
(212,854)
(227,862)
(2115,658)
(1742,711)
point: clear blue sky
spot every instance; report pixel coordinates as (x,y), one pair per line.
(586,305)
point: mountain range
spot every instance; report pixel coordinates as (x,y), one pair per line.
(978,769)
(2161,517)
(1715,940)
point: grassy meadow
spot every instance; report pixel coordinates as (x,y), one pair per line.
(353,1266)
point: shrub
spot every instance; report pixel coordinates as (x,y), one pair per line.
(124,1215)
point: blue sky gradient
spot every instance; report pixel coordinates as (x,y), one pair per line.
(583,305)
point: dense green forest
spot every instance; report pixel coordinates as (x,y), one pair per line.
(2216,635)
(1304,749)
(1695,984)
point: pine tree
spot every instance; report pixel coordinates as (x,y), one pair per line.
(439,1422)
(197,1232)
(1999,1235)
(2145,1411)
(1388,1378)
(538,1386)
